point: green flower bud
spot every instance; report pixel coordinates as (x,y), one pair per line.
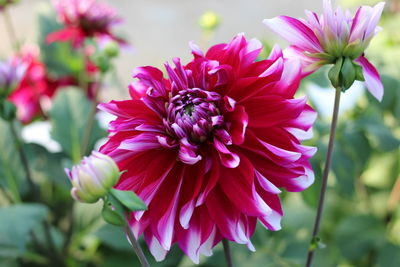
(93,178)
(209,21)
(111,49)
(334,73)
(8,111)
(348,73)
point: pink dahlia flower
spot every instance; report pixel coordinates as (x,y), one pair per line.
(84,19)
(33,93)
(208,147)
(335,34)
(11,73)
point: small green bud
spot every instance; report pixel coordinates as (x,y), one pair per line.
(334,73)
(348,73)
(209,21)
(111,49)
(93,178)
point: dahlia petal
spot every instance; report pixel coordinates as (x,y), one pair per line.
(302,182)
(280,110)
(206,247)
(239,121)
(228,158)
(141,142)
(165,225)
(238,185)
(186,214)
(155,247)
(272,221)
(360,23)
(373,22)
(300,134)
(295,32)
(372,78)
(267,185)
(276,53)
(196,51)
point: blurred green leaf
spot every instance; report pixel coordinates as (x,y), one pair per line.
(16,223)
(389,256)
(69,118)
(59,57)
(11,173)
(129,199)
(358,234)
(113,236)
(47,166)
(344,170)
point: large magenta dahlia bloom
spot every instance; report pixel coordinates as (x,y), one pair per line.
(208,147)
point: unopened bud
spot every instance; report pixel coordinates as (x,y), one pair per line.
(209,21)
(93,178)
(111,49)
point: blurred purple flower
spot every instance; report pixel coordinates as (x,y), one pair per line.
(11,73)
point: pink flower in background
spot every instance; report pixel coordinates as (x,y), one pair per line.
(84,19)
(34,92)
(208,147)
(335,34)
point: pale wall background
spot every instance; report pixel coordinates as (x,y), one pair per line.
(161,29)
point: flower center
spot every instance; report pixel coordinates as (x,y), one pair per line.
(194,114)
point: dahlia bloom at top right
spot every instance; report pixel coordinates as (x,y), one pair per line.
(334,37)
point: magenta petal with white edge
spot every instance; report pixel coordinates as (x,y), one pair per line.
(372,78)
(295,32)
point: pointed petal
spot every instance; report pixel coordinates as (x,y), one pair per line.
(372,78)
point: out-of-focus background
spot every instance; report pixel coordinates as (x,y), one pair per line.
(361,223)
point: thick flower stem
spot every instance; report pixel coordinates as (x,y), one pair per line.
(324,178)
(136,247)
(10,30)
(227,252)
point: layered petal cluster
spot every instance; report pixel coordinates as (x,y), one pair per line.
(209,146)
(33,93)
(84,19)
(320,40)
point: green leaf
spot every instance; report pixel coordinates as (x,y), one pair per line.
(11,173)
(59,57)
(388,256)
(356,235)
(16,223)
(344,170)
(129,199)
(113,211)
(69,118)
(113,236)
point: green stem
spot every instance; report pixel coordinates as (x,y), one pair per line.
(136,247)
(332,135)
(227,252)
